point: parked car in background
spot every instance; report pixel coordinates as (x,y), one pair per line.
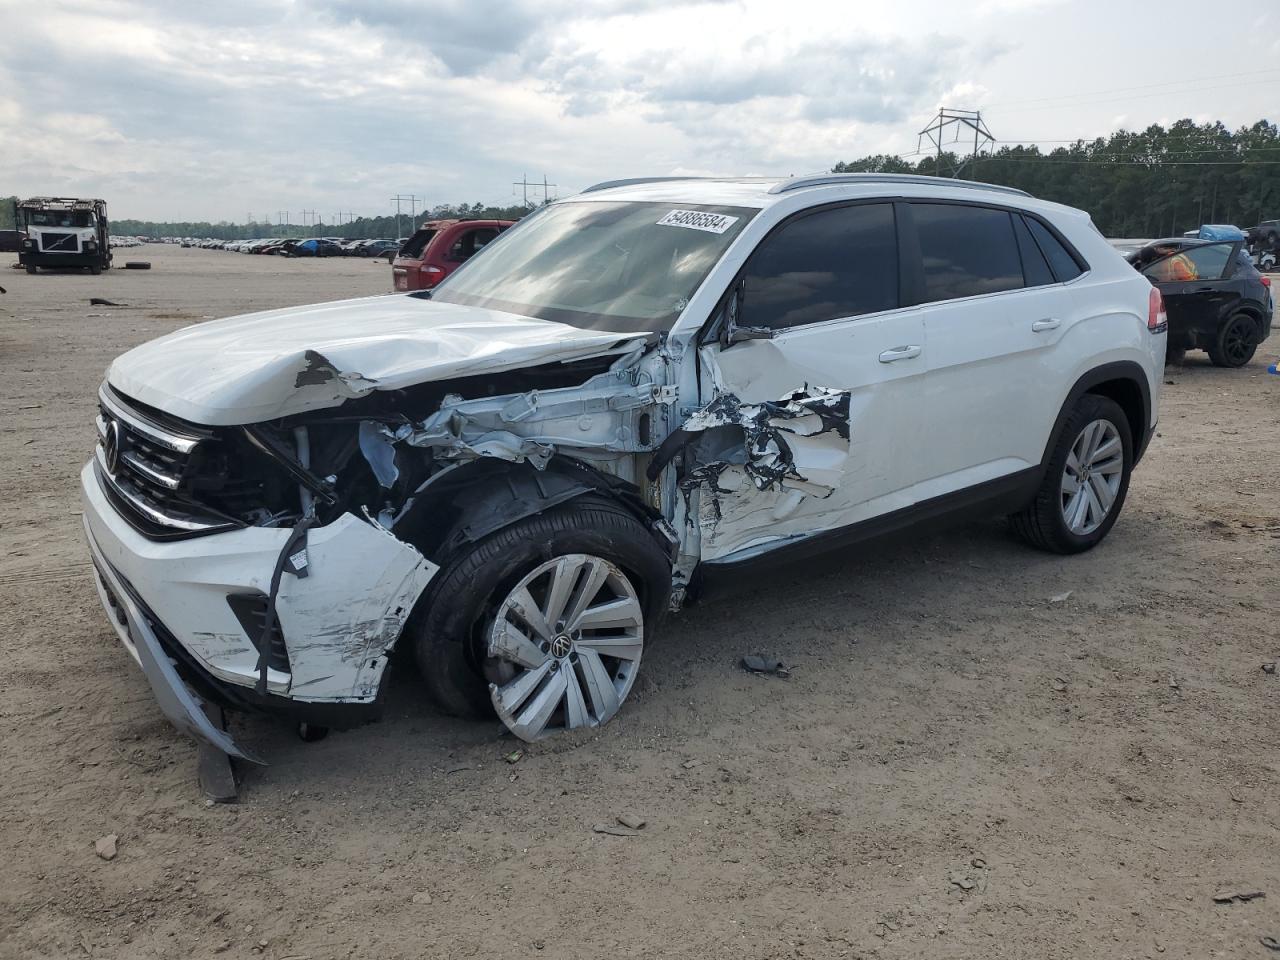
(1265,237)
(379,248)
(439,248)
(1215,298)
(316,247)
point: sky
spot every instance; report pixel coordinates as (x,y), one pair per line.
(188,111)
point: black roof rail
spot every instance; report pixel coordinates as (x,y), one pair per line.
(834,179)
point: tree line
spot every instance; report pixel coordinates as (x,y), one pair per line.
(362,228)
(1159,182)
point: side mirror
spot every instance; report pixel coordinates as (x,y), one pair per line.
(730,332)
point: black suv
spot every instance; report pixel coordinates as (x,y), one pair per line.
(1216,299)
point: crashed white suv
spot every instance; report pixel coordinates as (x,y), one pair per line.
(511,478)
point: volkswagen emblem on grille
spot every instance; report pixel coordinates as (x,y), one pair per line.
(111,446)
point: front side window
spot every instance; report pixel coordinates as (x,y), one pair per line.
(967,251)
(1208,262)
(600,265)
(835,263)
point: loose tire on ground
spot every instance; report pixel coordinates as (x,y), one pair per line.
(137,265)
(1236,342)
(1043,523)
(448,632)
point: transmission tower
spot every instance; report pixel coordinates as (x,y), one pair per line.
(953,123)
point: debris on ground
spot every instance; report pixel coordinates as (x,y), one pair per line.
(755,663)
(1061,597)
(690,764)
(1059,685)
(138,265)
(615,830)
(631,821)
(513,757)
(1271,943)
(105,847)
(1227,897)
(961,880)
(1269,669)
(99,302)
(422,898)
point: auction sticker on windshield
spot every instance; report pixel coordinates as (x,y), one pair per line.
(697,220)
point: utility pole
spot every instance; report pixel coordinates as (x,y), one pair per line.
(401,198)
(956,121)
(524,184)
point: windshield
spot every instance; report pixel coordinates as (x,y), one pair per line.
(60,218)
(629,267)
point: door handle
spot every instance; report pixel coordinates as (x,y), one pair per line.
(1201,290)
(900,353)
(1042,325)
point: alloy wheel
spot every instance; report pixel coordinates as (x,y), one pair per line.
(1091,477)
(1237,341)
(565,647)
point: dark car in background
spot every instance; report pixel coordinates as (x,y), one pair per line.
(318,247)
(439,248)
(1265,237)
(1215,298)
(378,249)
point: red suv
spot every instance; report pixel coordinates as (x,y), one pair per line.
(439,248)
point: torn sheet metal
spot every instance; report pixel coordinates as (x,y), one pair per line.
(601,415)
(800,442)
(264,366)
(749,468)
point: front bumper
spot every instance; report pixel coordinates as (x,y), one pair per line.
(338,623)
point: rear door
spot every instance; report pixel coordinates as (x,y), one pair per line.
(1194,287)
(848,358)
(997,302)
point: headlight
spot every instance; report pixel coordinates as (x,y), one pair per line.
(90,243)
(28,242)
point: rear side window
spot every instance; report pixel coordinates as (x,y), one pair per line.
(1064,265)
(827,265)
(967,251)
(471,243)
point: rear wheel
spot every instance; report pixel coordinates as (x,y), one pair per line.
(544,622)
(1236,342)
(1085,482)
(30,269)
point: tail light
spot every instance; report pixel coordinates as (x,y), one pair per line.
(1157,320)
(432,275)
(1266,282)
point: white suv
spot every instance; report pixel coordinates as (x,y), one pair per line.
(512,477)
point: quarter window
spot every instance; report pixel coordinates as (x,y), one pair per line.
(1035,269)
(835,263)
(1060,259)
(967,251)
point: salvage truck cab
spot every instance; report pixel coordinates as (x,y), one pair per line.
(510,479)
(63,232)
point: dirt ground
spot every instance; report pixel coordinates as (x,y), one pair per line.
(958,767)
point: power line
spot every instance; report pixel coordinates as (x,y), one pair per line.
(1145,86)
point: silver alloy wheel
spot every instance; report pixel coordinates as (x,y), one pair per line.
(565,647)
(1091,477)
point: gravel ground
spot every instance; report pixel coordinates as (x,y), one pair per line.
(958,767)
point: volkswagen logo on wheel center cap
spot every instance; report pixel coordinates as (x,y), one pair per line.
(561,646)
(111,447)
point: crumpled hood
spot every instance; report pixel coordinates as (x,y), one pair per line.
(261,366)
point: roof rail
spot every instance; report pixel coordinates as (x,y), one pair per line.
(831,179)
(634,181)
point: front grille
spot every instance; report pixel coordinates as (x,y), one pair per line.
(59,243)
(251,610)
(148,463)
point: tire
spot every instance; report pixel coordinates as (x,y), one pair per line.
(1043,523)
(95,270)
(449,630)
(1236,342)
(31,270)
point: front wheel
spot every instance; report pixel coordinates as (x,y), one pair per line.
(544,622)
(1085,481)
(1236,342)
(31,270)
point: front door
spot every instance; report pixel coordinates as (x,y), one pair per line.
(812,428)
